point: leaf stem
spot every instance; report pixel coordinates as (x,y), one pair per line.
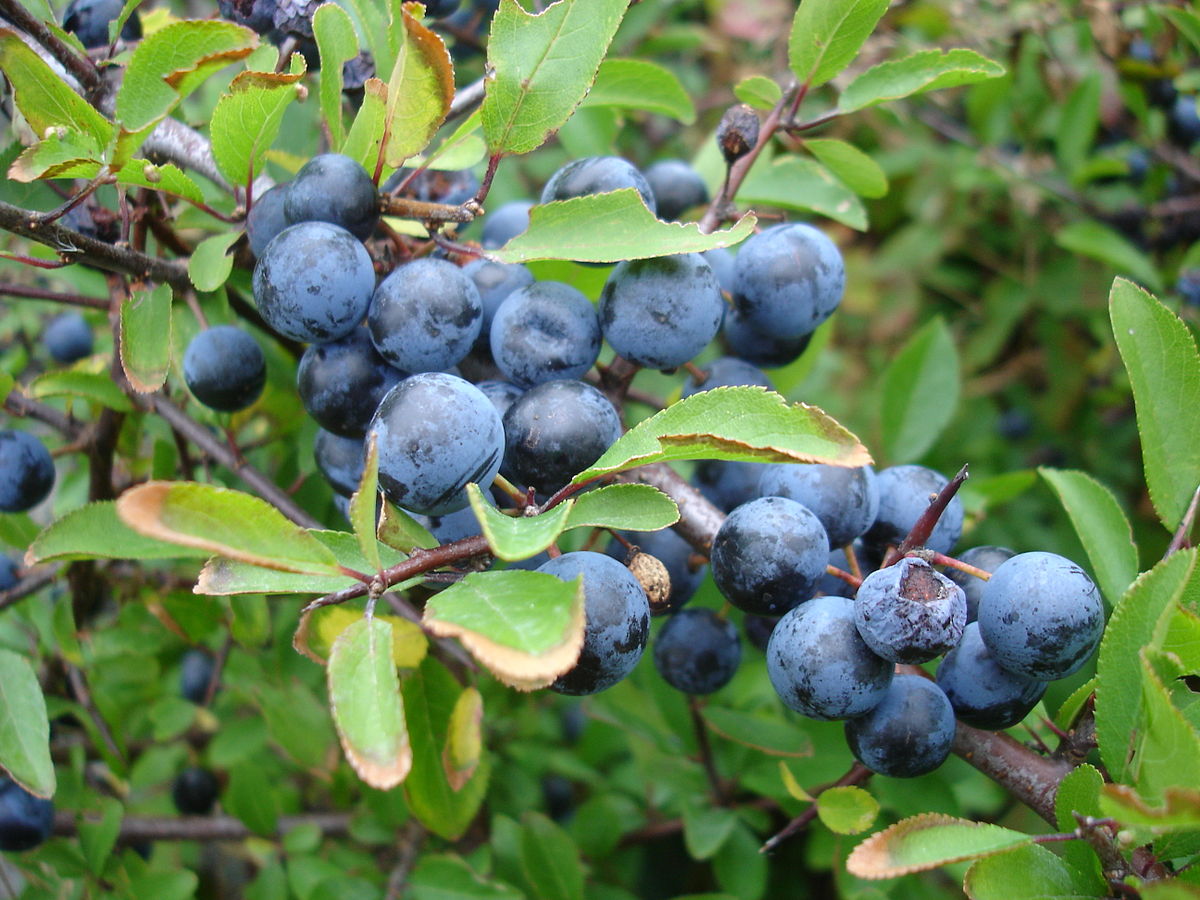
(927,522)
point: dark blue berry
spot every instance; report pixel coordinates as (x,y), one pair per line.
(195,674)
(788,280)
(195,791)
(684,567)
(336,189)
(677,187)
(697,651)
(88,20)
(910,612)
(846,500)
(904,495)
(596,175)
(545,331)
(425,316)
(504,224)
(909,733)
(26,471)
(266,218)
(225,368)
(68,337)
(987,558)
(25,820)
(342,383)
(340,460)
(983,694)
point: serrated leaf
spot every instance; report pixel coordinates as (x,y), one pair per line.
(526,627)
(223,577)
(609,228)
(852,167)
(919,393)
(348,553)
(210,263)
(146,337)
(758,91)
(362,507)
(1095,241)
(1070,709)
(75,383)
(637,84)
(96,531)
(429,700)
(1166,751)
(1029,873)
(337,43)
(771,736)
(464,739)
(1134,623)
(59,151)
(169,64)
(826,35)
(801,184)
(1159,353)
(318,630)
(166,178)
(1078,792)
(224,522)
(706,828)
(419,91)
(847,810)
(925,70)
(1179,811)
(247,118)
(365,137)
(1102,528)
(400,531)
(628,507)
(364,698)
(550,860)
(541,67)
(739,423)
(24,727)
(517,537)
(43,98)
(924,842)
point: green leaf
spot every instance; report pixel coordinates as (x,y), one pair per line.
(98,836)
(24,727)
(1078,792)
(419,91)
(801,184)
(919,394)
(162,885)
(758,91)
(337,43)
(364,698)
(75,383)
(740,868)
(246,121)
(847,810)
(1185,20)
(1102,528)
(1134,624)
(609,228)
(1166,753)
(348,552)
(146,337)
(550,860)
(399,530)
(429,700)
(925,70)
(706,828)
(225,522)
(517,537)
(227,577)
(1091,239)
(365,138)
(526,627)
(210,263)
(739,423)
(169,64)
(464,740)
(166,178)
(61,150)
(450,878)
(541,68)
(854,168)
(924,842)
(771,736)
(827,34)
(1027,872)
(320,628)
(1078,123)
(628,507)
(637,84)
(43,98)
(251,622)
(1159,353)
(362,507)
(1180,810)
(96,532)
(249,799)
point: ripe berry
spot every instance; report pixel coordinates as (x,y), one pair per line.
(677,188)
(26,471)
(545,331)
(904,495)
(88,20)
(909,733)
(983,694)
(910,612)
(195,791)
(987,558)
(341,383)
(788,280)
(68,338)
(194,675)
(697,652)
(25,820)
(846,500)
(596,175)
(425,315)
(225,368)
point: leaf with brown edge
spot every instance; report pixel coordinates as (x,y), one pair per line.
(526,627)
(737,423)
(225,522)
(464,740)
(222,577)
(419,90)
(365,701)
(320,628)
(927,841)
(1180,809)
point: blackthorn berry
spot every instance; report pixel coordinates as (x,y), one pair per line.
(88,20)
(266,218)
(68,337)
(677,187)
(904,495)
(697,651)
(340,459)
(983,694)
(910,612)
(788,279)
(909,733)
(25,820)
(341,383)
(596,175)
(987,558)
(545,331)
(337,189)
(846,500)
(26,471)
(425,316)
(225,368)
(195,674)
(195,791)
(504,224)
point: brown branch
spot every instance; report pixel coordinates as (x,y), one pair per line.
(699,519)
(32,583)
(422,211)
(1031,778)
(73,247)
(8,289)
(141,829)
(84,697)
(81,68)
(1179,539)
(18,404)
(706,752)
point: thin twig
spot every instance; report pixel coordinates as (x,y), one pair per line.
(1179,539)
(8,289)
(84,697)
(856,775)
(706,752)
(81,68)
(32,583)
(140,829)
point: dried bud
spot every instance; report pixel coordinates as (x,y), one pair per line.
(653,577)
(738,132)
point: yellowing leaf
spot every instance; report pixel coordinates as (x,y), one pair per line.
(464,741)
(320,628)
(419,91)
